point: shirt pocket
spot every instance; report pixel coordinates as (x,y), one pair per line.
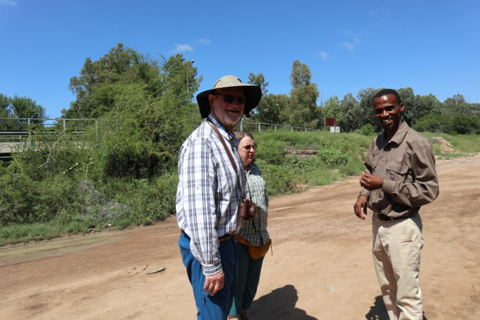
(398,171)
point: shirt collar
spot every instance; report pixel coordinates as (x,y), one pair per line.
(225,133)
(399,135)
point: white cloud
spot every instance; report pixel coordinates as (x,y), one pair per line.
(351,45)
(8,2)
(182,48)
(186,47)
(324,55)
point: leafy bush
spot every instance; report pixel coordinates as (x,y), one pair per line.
(278,179)
(367,129)
(466,125)
(74,191)
(434,123)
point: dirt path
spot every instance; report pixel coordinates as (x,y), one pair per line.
(321,267)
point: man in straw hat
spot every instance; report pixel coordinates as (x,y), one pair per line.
(209,192)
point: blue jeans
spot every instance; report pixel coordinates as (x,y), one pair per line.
(210,307)
(248,278)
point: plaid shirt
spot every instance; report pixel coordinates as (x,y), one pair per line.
(255,231)
(208,192)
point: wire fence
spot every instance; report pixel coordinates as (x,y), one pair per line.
(20,127)
(263,126)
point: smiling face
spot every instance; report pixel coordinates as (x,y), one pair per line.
(229,114)
(388,112)
(246,149)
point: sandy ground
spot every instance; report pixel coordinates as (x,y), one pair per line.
(320,266)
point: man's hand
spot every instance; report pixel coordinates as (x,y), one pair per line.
(371,182)
(214,283)
(360,207)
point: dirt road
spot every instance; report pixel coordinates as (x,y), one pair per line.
(321,267)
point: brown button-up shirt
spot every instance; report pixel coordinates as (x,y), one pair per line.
(407,165)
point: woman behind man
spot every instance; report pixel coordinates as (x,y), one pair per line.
(253,239)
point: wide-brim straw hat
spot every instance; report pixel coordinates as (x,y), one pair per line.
(253,93)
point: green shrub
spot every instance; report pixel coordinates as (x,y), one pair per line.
(367,129)
(278,179)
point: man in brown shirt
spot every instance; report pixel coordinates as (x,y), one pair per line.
(399,178)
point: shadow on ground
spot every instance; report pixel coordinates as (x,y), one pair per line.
(278,304)
(379,312)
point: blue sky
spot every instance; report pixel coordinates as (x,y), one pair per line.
(430,46)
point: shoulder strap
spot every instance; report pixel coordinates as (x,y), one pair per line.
(224,145)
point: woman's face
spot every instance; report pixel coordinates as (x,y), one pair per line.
(246,149)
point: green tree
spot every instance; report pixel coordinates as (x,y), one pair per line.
(466,125)
(101,82)
(434,123)
(5,112)
(456,106)
(259,80)
(348,109)
(270,109)
(475,109)
(303,110)
(331,109)
(146,137)
(425,105)
(365,109)
(23,107)
(408,99)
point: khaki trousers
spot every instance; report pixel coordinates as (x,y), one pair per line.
(396,256)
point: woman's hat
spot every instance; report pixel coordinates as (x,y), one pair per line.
(252,92)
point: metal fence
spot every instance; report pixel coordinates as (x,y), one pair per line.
(12,129)
(263,126)
(19,126)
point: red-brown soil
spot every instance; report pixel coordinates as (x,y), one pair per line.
(320,266)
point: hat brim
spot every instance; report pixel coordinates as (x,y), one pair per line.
(252,92)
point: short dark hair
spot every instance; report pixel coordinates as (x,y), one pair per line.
(384,92)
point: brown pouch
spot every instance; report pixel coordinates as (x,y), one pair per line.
(255,252)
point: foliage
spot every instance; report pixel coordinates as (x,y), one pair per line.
(270,109)
(120,169)
(101,83)
(302,110)
(367,130)
(434,123)
(146,137)
(331,109)
(258,80)
(17,109)
(466,125)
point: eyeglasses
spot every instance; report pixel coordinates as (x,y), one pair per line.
(250,147)
(229,98)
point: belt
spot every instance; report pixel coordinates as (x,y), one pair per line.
(224,238)
(383,217)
